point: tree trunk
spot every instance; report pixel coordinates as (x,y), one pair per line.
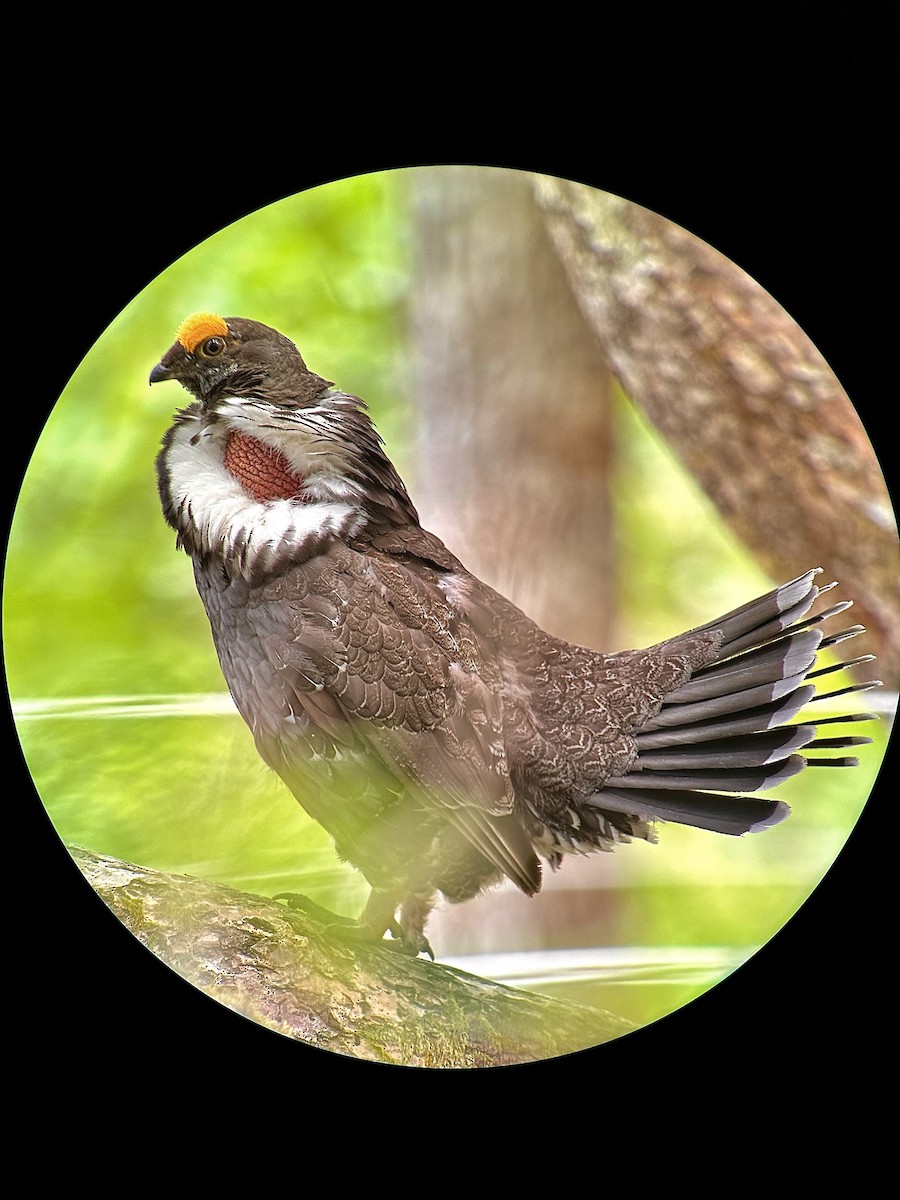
(293,972)
(513,398)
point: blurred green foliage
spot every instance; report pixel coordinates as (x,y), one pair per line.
(87,545)
(99,604)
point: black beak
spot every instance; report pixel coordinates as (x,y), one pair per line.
(160,373)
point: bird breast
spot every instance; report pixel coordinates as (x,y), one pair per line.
(244,505)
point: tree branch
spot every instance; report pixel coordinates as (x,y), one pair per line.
(740,394)
(292,972)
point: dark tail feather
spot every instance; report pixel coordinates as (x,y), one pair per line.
(704,810)
(728,730)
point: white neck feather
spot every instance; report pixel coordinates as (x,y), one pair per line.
(254,538)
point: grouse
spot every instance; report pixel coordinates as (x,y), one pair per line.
(443,739)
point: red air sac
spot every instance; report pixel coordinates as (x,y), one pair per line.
(261,470)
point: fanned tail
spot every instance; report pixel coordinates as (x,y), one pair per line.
(727,730)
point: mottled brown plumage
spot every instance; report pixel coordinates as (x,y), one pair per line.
(440,736)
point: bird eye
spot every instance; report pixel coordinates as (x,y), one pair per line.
(212,346)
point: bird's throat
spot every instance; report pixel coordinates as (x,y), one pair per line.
(261,470)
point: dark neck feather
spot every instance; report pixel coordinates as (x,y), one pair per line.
(386,498)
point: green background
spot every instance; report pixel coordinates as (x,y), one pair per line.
(120,703)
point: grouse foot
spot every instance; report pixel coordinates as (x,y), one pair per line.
(303,904)
(360,930)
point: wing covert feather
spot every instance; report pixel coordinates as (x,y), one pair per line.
(377,657)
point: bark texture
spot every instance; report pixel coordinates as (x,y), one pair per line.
(740,394)
(293,973)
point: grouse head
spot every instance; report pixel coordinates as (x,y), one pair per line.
(270,458)
(215,357)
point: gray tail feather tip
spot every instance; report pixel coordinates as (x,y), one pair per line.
(730,728)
